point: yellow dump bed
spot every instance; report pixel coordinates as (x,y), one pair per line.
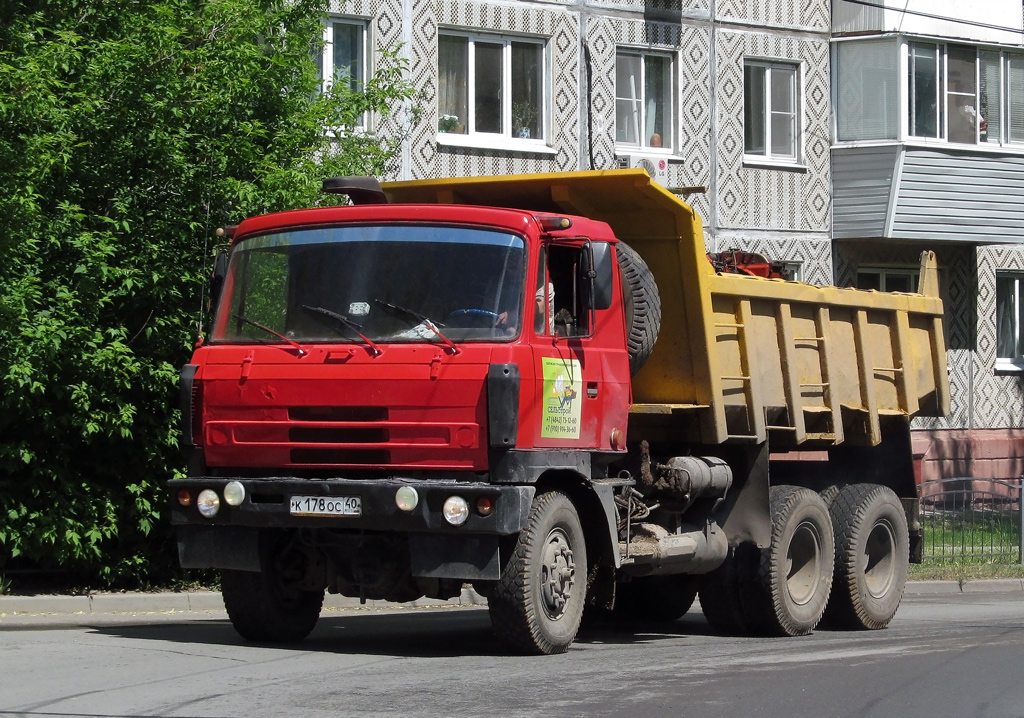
(740,357)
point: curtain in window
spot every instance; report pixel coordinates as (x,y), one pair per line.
(658,91)
(1015,97)
(961,94)
(348,55)
(453,84)
(989,98)
(628,97)
(868,88)
(1006,319)
(487,87)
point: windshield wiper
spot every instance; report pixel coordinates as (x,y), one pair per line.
(319,312)
(268,330)
(422,319)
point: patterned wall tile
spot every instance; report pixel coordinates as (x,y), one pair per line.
(815,15)
(691,8)
(999,398)
(813,252)
(773,199)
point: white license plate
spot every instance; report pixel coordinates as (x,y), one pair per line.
(325,506)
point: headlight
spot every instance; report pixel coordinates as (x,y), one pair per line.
(407,498)
(208,503)
(234,493)
(456,510)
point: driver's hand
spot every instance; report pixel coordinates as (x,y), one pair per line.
(501,320)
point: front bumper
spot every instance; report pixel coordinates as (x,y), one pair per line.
(231,538)
(266,505)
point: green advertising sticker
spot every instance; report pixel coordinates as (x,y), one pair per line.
(563,385)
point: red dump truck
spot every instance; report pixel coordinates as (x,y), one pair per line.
(539,386)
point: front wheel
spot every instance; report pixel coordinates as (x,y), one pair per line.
(270,606)
(537,604)
(872,557)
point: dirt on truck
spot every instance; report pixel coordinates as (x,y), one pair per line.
(540,385)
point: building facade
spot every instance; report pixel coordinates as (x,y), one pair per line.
(842,138)
(928,153)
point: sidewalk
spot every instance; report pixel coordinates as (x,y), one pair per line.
(207,603)
(26,610)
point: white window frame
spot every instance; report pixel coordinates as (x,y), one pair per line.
(1015,362)
(507,139)
(667,139)
(944,93)
(327,56)
(768,157)
(914,272)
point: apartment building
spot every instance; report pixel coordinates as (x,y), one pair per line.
(928,153)
(842,138)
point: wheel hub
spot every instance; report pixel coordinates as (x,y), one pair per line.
(879,560)
(558,574)
(803,563)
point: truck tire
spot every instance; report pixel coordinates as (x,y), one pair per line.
(642,306)
(872,557)
(654,599)
(725,593)
(537,604)
(262,606)
(795,575)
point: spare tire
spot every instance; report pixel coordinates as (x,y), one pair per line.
(642,306)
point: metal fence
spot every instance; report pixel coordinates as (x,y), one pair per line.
(972,521)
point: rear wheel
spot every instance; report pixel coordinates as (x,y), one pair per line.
(872,557)
(537,604)
(795,575)
(725,593)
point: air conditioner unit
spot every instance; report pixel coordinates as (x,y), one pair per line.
(656,165)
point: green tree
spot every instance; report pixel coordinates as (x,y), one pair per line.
(127,132)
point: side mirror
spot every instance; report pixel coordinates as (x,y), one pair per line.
(220,272)
(596,275)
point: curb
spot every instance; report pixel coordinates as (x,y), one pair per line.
(187,602)
(994,585)
(210,602)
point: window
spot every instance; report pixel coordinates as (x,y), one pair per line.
(888,279)
(1009,316)
(868,90)
(1015,98)
(953,93)
(491,86)
(643,99)
(770,110)
(924,87)
(343,61)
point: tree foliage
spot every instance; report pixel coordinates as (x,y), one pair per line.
(127,132)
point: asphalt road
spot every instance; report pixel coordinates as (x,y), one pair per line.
(952,654)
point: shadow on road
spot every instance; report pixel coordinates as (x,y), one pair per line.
(440,634)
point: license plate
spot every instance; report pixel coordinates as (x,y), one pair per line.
(325,506)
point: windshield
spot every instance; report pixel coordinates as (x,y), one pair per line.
(388,283)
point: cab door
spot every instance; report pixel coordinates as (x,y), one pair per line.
(581,367)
